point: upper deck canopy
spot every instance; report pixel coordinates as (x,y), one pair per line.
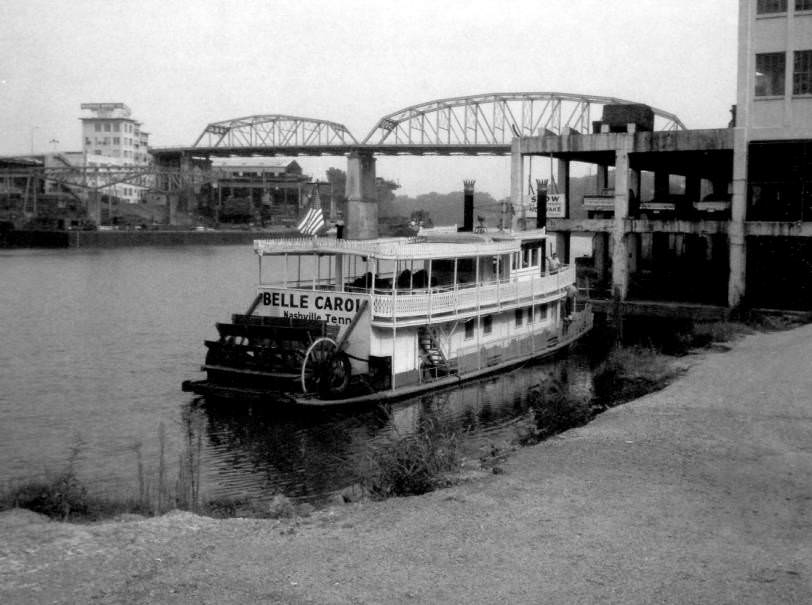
(447,245)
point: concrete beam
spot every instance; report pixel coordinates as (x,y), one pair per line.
(777,229)
(678,140)
(675,226)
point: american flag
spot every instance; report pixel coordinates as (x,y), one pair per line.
(313,220)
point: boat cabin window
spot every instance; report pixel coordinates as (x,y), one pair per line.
(519,316)
(487,324)
(469,329)
(541,312)
(532,254)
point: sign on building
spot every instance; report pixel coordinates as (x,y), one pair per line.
(556,205)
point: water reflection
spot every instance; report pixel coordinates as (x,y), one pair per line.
(256,452)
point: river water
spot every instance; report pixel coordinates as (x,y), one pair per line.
(96,343)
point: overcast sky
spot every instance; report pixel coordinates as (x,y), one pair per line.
(181,64)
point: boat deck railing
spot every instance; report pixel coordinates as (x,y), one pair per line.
(398,305)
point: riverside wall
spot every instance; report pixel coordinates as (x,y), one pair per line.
(119,239)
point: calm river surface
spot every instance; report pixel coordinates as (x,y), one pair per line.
(96,343)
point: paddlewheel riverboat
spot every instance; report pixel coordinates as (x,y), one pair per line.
(336,321)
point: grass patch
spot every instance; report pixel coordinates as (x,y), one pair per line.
(414,464)
(629,373)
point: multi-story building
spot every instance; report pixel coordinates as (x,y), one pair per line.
(111,131)
(771,227)
(112,138)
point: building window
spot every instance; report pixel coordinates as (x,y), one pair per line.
(116,141)
(519,316)
(98,127)
(771,6)
(802,74)
(770,74)
(803,5)
(487,324)
(469,329)
(107,128)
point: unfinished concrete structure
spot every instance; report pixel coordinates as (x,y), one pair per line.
(726,217)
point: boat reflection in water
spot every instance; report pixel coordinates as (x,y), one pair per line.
(254,452)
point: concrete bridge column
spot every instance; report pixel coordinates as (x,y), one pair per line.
(738,210)
(516,182)
(620,258)
(361,221)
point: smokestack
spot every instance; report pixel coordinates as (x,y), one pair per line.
(541,204)
(468,206)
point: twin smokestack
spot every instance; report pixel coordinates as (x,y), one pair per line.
(468,205)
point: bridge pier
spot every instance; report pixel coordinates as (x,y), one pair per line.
(361,220)
(516,182)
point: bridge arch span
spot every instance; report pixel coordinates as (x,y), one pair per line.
(495,118)
(274,130)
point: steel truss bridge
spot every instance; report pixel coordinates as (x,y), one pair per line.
(483,124)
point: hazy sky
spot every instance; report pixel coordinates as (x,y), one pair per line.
(181,64)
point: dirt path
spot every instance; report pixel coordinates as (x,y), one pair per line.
(701,493)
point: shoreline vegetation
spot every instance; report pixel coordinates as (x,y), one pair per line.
(428,459)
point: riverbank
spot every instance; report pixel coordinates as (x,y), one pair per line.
(134,238)
(697,493)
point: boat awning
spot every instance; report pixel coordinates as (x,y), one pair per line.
(389,249)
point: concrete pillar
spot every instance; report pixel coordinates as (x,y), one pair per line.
(172,209)
(361,221)
(693,188)
(563,182)
(662,185)
(634,188)
(94,205)
(516,182)
(738,209)
(603,178)
(186,193)
(600,254)
(646,249)
(562,246)
(633,256)
(620,260)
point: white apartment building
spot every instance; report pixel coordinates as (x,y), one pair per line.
(112,138)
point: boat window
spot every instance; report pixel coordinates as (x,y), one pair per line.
(519,316)
(529,315)
(469,329)
(541,312)
(487,324)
